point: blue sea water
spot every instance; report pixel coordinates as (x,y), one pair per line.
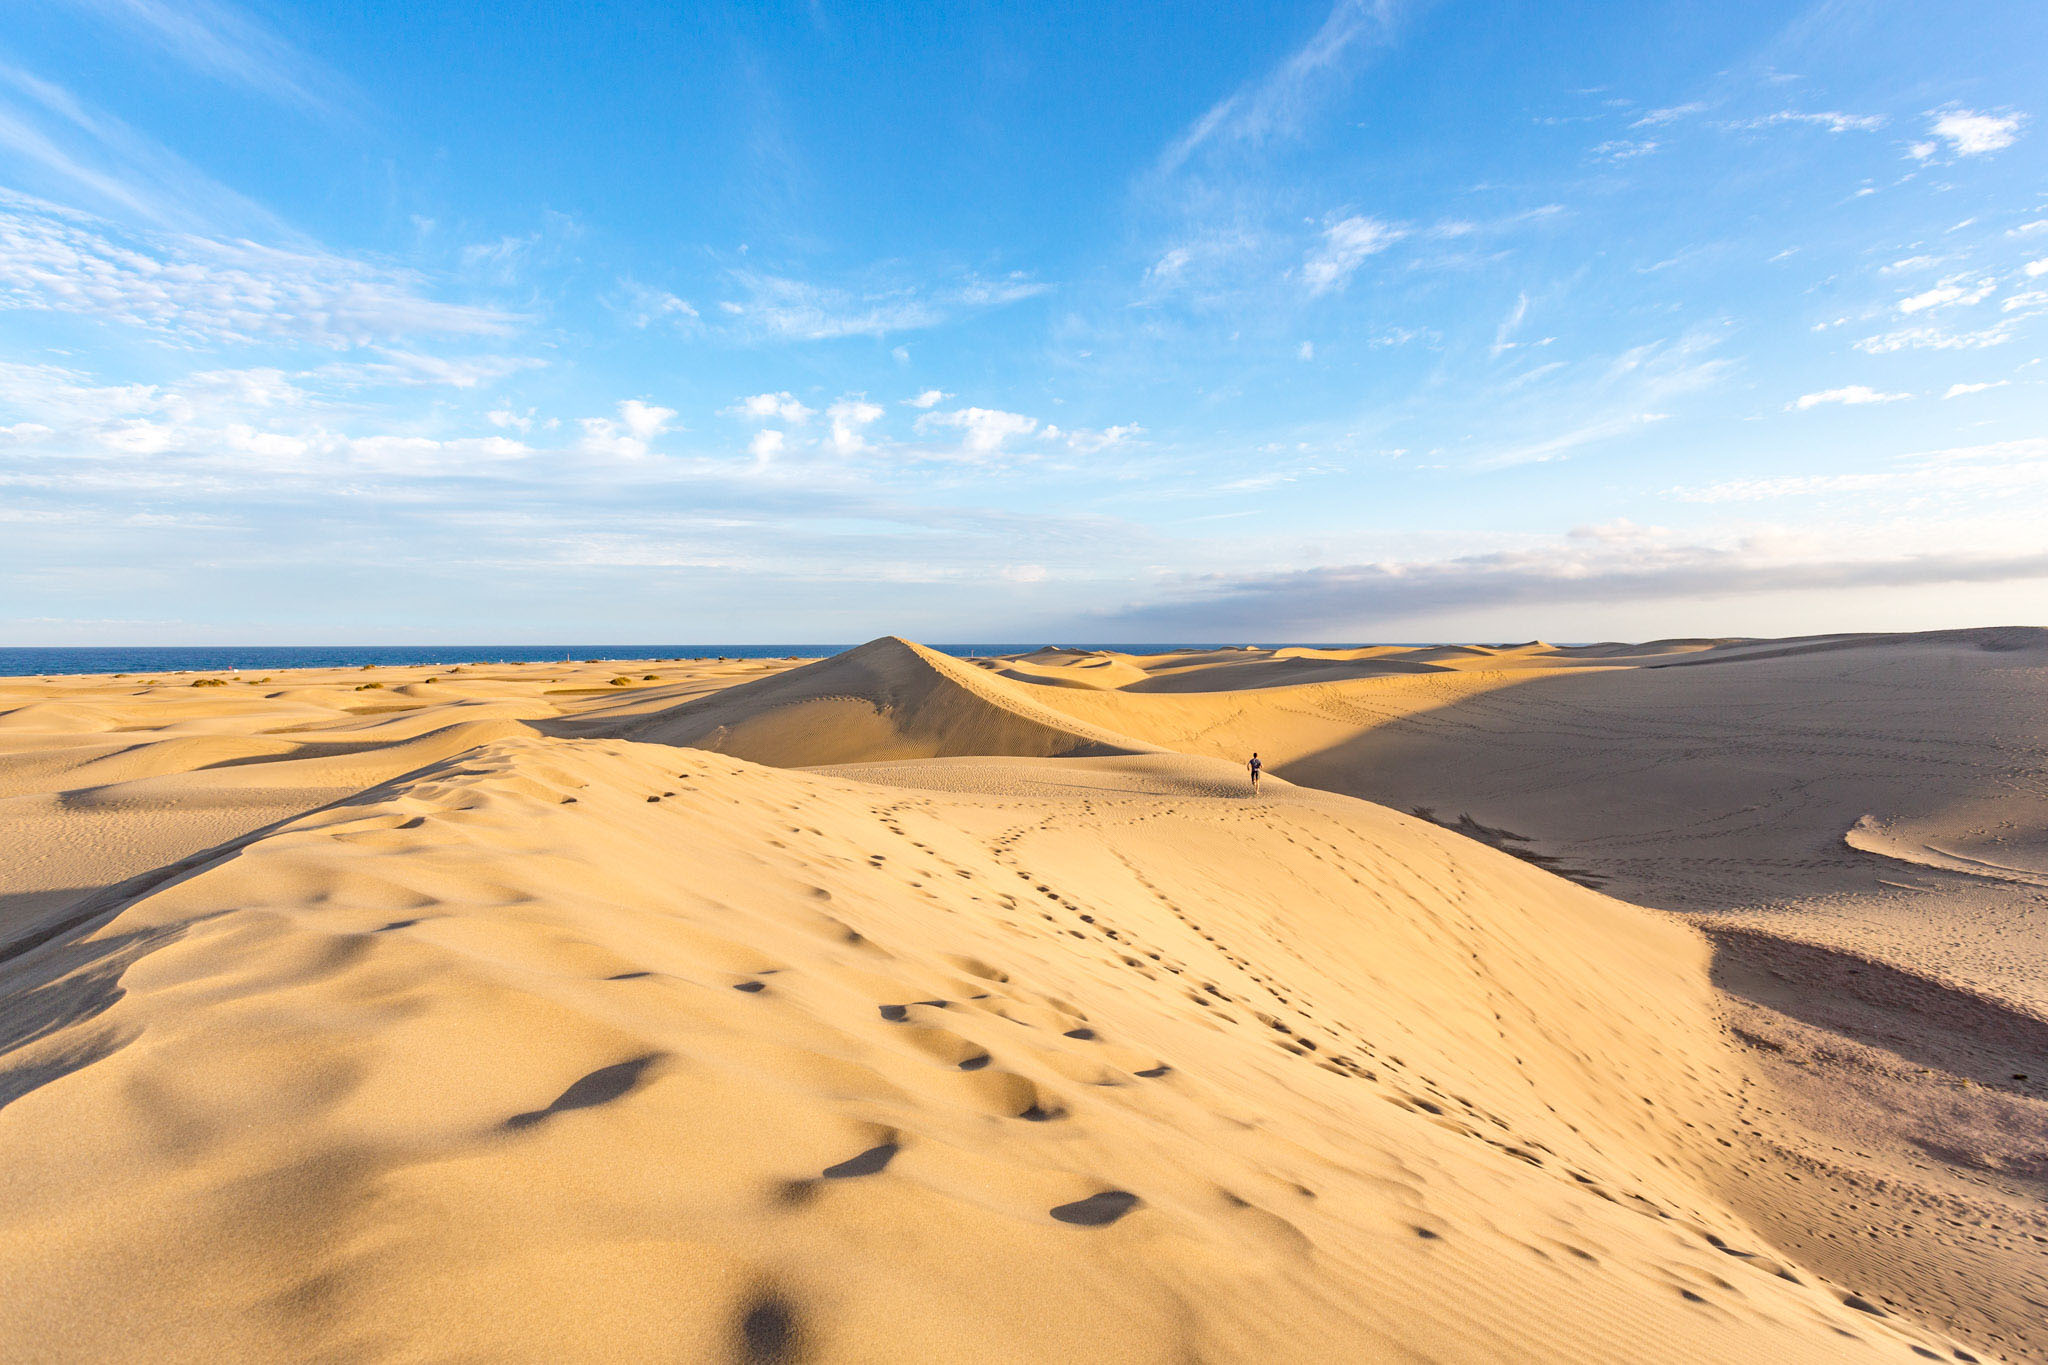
(30,662)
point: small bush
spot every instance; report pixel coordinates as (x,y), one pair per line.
(369,687)
(621,682)
(649,677)
(209,682)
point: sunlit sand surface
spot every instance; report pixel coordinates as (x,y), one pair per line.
(1670,1002)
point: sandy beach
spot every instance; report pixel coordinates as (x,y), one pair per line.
(1671,1002)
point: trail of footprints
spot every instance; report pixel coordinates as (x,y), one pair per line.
(1006,1094)
(1433,1104)
(1002,1093)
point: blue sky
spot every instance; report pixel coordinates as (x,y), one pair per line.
(385,322)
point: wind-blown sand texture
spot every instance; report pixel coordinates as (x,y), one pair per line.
(522,1014)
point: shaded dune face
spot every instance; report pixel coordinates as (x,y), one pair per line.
(666,1054)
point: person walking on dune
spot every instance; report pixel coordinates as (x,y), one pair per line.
(1256,767)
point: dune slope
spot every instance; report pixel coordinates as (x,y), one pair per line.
(612,1050)
(105,777)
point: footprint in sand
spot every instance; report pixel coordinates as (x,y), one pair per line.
(896,1014)
(601,1086)
(769,1335)
(870,1162)
(1097,1210)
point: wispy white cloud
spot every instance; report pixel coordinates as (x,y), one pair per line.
(227,44)
(1276,104)
(1956,290)
(630,434)
(771,407)
(849,417)
(1590,403)
(518,258)
(1088,442)
(643,306)
(1455,229)
(514,419)
(1656,118)
(1936,339)
(1956,472)
(207,291)
(1852,395)
(985,430)
(1346,244)
(1830,120)
(53,142)
(1958,390)
(1503,334)
(1204,260)
(782,308)
(928,398)
(419,369)
(1617,150)
(1968,133)
(1564,443)
(222,428)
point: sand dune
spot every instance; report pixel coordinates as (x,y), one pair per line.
(504,1016)
(602,1049)
(1094,671)
(102,778)
(888,699)
(1286,671)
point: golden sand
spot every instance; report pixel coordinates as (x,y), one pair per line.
(897,1006)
